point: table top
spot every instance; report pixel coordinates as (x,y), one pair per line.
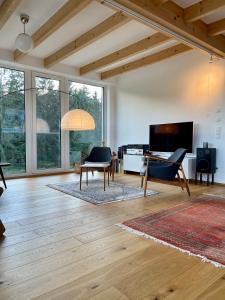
(4,164)
(95,165)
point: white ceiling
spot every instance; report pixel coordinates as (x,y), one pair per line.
(40,11)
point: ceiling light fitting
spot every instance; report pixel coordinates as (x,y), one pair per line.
(24,42)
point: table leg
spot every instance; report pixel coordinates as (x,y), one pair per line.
(212,178)
(80,177)
(104,179)
(207,178)
(86,176)
(3,178)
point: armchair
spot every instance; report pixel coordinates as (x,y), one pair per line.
(165,170)
(100,158)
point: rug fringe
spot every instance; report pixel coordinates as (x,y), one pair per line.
(147,236)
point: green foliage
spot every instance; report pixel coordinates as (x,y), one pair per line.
(48,114)
(83,141)
(12,120)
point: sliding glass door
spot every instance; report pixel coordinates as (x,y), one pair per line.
(12,120)
(47,120)
(89,98)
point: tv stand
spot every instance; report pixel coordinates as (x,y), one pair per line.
(133,163)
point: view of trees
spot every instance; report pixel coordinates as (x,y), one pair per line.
(89,98)
(48,118)
(12,120)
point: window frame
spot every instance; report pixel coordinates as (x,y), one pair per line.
(30,117)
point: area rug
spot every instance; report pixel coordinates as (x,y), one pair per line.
(197,228)
(95,194)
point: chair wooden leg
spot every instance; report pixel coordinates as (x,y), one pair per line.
(86,176)
(104,179)
(2,228)
(81,169)
(3,178)
(181,183)
(185,182)
(142,181)
(108,175)
(145,186)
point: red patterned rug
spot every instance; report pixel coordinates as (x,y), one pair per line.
(197,228)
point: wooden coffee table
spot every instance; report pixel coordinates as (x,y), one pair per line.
(98,166)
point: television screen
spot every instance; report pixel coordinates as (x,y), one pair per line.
(169,137)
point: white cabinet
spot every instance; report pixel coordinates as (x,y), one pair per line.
(134,163)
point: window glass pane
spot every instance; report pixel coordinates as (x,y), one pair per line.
(12,121)
(48,117)
(89,98)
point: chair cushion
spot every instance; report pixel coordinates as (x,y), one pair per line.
(163,171)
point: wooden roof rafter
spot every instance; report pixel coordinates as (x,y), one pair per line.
(7,8)
(132,49)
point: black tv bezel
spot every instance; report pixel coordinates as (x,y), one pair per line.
(170,124)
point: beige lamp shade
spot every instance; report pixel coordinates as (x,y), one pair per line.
(77,119)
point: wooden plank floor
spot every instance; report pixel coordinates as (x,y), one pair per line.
(60,247)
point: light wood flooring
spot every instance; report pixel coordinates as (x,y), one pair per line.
(60,247)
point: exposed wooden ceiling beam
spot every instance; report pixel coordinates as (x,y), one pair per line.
(170,17)
(110,24)
(216,28)
(7,8)
(150,59)
(140,46)
(160,2)
(202,9)
(64,14)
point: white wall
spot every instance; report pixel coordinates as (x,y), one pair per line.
(183,88)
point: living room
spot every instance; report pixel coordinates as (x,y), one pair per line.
(133,81)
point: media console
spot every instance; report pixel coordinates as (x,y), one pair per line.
(133,163)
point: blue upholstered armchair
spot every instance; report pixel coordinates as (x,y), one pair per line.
(99,155)
(165,170)
(102,155)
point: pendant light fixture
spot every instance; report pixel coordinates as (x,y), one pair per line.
(77,120)
(24,41)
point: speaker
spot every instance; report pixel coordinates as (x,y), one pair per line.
(206,160)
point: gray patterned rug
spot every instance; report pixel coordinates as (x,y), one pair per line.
(95,194)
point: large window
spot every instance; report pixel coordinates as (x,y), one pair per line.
(12,120)
(48,116)
(89,98)
(31,106)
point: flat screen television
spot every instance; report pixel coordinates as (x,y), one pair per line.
(169,137)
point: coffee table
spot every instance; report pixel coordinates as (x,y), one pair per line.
(98,166)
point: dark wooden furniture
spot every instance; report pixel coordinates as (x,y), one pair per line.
(2,228)
(1,172)
(165,171)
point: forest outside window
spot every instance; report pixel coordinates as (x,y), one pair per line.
(12,121)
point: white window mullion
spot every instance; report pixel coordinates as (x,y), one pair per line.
(64,134)
(29,121)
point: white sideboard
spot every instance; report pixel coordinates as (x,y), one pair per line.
(133,163)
